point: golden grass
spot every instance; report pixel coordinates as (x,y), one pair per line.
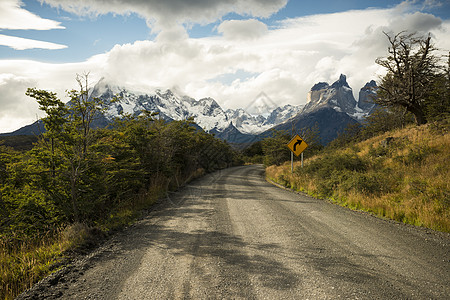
(22,263)
(414,171)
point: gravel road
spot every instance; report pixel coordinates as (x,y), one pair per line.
(232,235)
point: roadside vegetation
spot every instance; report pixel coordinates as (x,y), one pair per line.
(77,184)
(400,174)
(396,164)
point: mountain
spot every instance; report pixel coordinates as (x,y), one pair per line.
(206,112)
(235,126)
(366,96)
(338,96)
(328,120)
(332,108)
(251,124)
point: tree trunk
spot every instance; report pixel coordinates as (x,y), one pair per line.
(419,115)
(74,196)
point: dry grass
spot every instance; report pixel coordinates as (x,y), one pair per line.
(25,261)
(406,181)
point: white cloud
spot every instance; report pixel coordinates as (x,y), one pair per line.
(11,88)
(283,62)
(17,109)
(12,16)
(242,29)
(18,43)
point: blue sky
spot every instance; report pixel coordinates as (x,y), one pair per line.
(201,48)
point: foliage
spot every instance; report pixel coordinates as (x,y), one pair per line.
(378,122)
(405,179)
(99,178)
(19,142)
(274,148)
(253,154)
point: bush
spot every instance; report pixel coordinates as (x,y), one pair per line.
(325,166)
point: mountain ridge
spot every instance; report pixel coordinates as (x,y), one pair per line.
(237,126)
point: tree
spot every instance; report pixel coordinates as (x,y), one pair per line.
(311,135)
(438,102)
(411,70)
(55,118)
(274,148)
(70,158)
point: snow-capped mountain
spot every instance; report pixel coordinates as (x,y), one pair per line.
(330,107)
(206,112)
(339,96)
(251,124)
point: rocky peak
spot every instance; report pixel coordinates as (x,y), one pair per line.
(342,82)
(366,96)
(320,86)
(338,96)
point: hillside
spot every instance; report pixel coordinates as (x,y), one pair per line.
(401,175)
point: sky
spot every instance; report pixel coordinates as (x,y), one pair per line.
(230,50)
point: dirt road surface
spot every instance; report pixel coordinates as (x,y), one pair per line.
(232,235)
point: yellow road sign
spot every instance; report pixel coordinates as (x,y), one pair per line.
(297,145)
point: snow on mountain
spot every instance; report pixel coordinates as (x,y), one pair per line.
(254,124)
(206,112)
(281,114)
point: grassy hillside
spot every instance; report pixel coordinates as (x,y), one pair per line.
(401,175)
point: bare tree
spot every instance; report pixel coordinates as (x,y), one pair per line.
(411,70)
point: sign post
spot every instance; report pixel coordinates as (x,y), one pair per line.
(292,162)
(297,145)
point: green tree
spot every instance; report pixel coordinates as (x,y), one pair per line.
(69,156)
(274,148)
(311,135)
(55,118)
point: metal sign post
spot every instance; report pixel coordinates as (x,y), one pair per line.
(302,159)
(292,162)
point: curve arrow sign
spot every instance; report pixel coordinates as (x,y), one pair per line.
(297,145)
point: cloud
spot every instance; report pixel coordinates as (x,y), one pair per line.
(18,43)
(169,13)
(17,109)
(12,16)
(242,29)
(11,89)
(284,61)
(421,22)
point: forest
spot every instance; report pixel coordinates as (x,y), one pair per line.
(78,183)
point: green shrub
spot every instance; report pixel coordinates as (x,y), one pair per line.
(416,155)
(325,166)
(366,183)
